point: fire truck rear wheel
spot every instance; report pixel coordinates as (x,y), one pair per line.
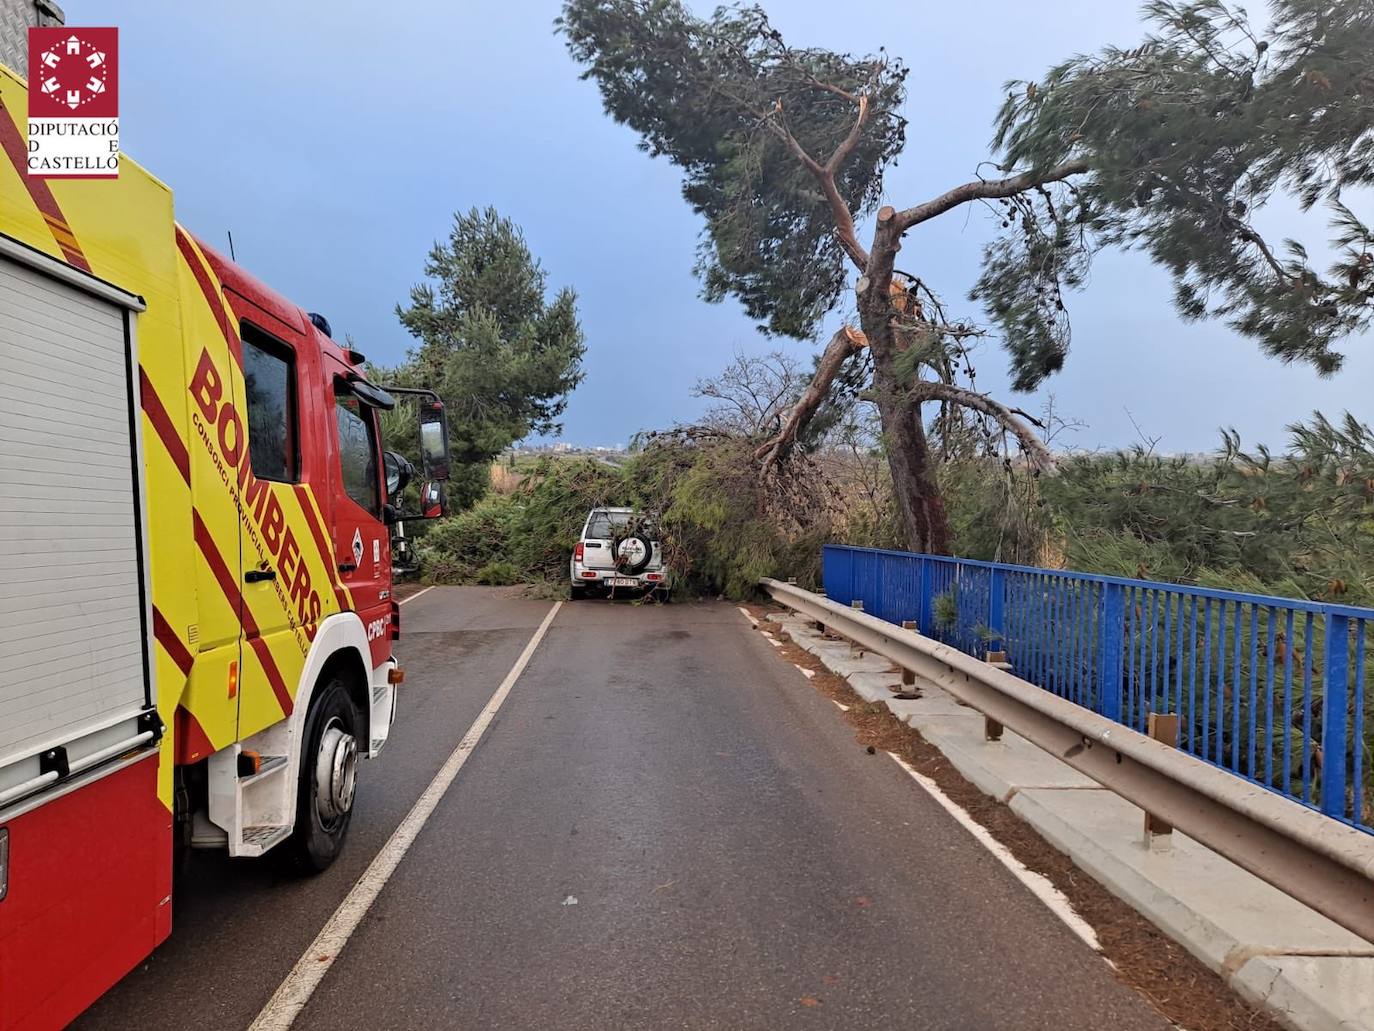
(328,775)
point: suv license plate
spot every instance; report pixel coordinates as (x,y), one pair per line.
(624,581)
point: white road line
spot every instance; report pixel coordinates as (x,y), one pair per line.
(747,615)
(416,595)
(293,993)
(1039,885)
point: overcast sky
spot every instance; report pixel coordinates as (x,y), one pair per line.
(335,139)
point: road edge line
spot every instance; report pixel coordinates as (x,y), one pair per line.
(1040,886)
(417,594)
(295,991)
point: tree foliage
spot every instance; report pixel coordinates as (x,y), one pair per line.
(1188,137)
(1297,524)
(709,95)
(501,354)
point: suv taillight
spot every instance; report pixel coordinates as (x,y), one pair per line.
(579,551)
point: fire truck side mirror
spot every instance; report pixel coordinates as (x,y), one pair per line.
(433,504)
(433,440)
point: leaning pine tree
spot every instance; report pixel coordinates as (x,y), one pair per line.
(1171,147)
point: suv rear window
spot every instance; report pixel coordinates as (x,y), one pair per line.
(605,525)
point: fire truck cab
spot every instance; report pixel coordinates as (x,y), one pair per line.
(196,608)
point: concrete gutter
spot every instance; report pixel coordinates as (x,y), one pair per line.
(1309,972)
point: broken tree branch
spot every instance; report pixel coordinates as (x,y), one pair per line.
(843,345)
(850,141)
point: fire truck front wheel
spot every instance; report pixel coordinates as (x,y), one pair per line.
(328,775)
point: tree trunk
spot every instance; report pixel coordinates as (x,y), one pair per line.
(914,484)
(909,459)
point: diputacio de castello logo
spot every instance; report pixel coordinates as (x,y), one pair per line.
(73,102)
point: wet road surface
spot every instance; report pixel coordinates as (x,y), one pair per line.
(737,860)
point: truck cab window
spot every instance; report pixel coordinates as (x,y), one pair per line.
(358,451)
(270,400)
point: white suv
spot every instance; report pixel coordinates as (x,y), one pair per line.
(619,550)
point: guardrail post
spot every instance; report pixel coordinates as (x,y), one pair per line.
(1162,726)
(997,588)
(1335,708)
(908,676)
(1111,643)
(992,730)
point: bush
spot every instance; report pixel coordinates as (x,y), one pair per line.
(723,527)
(454,549)
(525,535)
(498,574)
(946,608)
(1298,525)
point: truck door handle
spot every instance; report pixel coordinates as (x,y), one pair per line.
(347,567)
(254,576)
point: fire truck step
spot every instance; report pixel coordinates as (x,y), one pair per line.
(265,836)
(270,764)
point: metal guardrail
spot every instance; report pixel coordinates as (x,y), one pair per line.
(1326,864)
(1275,690)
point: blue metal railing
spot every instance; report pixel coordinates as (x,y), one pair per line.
(1271,689)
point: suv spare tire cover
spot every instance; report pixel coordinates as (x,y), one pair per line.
(633,553)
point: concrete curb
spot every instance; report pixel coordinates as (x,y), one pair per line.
(1309,973)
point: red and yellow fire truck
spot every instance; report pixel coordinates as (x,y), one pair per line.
(196,609)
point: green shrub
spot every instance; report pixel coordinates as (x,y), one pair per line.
(526,535)
(454,549)
(945,608)
(1297,525)
(723,527)
(498,574)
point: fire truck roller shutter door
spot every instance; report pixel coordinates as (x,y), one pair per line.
(75,662)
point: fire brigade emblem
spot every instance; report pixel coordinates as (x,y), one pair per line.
(357,548)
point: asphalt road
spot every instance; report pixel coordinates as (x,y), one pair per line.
(737,860)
